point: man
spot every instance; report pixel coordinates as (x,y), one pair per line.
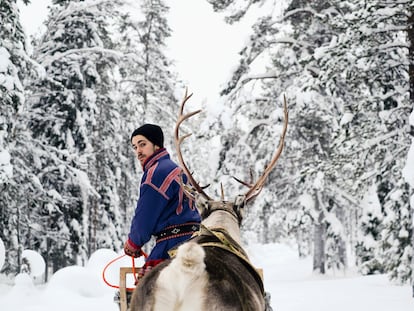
(162,210)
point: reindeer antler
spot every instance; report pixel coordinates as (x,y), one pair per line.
(178,141)
(254,189)
(258,186)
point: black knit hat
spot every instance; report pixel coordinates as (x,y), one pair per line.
(151,132)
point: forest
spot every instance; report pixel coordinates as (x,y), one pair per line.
(342,190)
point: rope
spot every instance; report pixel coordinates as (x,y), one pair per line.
(133,271)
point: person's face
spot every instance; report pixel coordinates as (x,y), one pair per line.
(143,148)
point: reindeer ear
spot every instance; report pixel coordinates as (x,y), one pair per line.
(238,206)
(240,201)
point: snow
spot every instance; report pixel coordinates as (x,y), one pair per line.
(4,59)
(191,46)
(35,261)
(8,77)
(2,254)
(307,201)
(371,204)
(346,118)
(408,170)
(318,183)
(6,169)
(287,278)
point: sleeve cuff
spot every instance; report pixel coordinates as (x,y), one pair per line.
(133,245)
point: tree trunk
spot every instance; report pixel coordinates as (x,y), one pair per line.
(410,35)
(265,222)
(319,238)
(342,254)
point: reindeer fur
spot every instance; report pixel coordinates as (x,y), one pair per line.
(204,275)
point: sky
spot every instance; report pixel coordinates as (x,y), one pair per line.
(288,279)
(204,47)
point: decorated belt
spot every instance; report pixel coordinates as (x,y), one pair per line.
(176,231)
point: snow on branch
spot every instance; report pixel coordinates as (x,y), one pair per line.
(377,140)
(265,75)
(80,7)
(301,10)
(97,50)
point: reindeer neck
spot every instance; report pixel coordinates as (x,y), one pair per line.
(224,220)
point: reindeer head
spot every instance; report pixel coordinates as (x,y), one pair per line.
(205,204)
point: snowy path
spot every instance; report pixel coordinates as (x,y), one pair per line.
(294,288)
(288,279)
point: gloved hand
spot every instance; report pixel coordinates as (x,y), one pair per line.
(132,250)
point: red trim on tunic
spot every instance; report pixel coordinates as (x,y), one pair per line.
(155,157)
(169,179)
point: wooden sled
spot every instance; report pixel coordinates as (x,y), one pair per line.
(124,293)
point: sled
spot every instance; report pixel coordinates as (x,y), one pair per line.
(125,293)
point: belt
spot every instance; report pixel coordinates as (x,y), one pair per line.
(176,231)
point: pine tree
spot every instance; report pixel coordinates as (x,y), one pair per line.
(397,233)
(76,119)
(13,66)
(20,188)
(410,36)
(374,86)
(368,245)
(9,100)
(294,62)
(331,63)
(81,119)
(147,79)
(146,88)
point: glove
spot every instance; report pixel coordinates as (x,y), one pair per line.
(132,250)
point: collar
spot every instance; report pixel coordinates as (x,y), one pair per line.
(162,152)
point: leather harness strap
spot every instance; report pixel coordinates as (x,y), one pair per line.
(225,241)
(221,239)
(218,206)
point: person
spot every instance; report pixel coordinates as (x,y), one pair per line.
(163,210)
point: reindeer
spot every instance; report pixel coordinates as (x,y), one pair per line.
(211,271)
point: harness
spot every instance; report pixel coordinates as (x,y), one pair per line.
(218,237)
(220,206)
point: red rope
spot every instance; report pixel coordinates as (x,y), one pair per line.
(133,271)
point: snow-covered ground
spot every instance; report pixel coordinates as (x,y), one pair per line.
(290,281)
(294,288)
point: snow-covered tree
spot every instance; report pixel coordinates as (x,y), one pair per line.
(13,65)
(81,183)
(376,86)
(76,119)
(147,80)
(343,65)
(410,36)
(20,189)
(368,245)
(292,54)
(145,85)
(397,234)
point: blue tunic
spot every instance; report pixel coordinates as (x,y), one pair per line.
(161,204)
